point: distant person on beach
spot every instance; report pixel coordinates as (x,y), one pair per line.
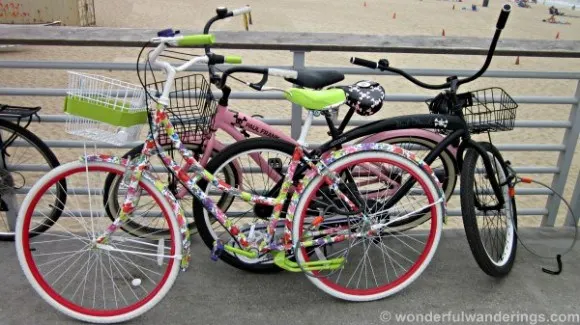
(554,11)
(552,20)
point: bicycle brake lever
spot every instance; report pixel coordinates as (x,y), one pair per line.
(258,85)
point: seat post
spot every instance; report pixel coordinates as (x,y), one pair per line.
(305,128)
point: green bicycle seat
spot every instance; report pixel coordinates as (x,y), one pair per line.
(315,99)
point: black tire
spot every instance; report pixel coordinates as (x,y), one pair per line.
(6,176)
(214,164)
(502,265)
(111,187)
(447,173)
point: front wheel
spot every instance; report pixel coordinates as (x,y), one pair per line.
(491,233)
(378,259)
(105,283)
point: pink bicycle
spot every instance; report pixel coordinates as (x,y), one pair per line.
(364,98)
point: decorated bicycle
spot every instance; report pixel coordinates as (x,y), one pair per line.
(91,268)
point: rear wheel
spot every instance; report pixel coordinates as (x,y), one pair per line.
(24,159)
(106,283)
(379,260)
(444,166)
(254,157)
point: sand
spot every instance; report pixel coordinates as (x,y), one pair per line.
(412,18)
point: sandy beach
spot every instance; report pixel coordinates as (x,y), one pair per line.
(429,17)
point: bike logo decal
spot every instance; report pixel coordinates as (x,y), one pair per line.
(441,122)
(238,123)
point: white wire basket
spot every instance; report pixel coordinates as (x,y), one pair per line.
(104,109)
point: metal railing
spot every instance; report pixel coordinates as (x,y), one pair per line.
(565,149)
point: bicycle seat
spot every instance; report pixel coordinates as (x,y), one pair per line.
(316,79)
(365,96)
(17,111)
(315,99)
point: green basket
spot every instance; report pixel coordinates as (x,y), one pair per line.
(117,113)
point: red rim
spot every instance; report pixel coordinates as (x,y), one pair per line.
(53,294)
(411,271)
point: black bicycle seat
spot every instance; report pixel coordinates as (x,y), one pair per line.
(365,96)
(316,79)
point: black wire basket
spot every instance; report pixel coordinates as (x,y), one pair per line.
(192,107)
(484,110)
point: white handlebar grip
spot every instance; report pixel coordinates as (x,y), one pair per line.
(283,73)
(243,10)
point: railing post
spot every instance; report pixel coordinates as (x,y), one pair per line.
(298,62)
(574,204)
(564,162)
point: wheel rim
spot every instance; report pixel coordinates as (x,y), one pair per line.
(18,174)
(384,243)
(496,228)
(421,148)
(120,263)
(243,211)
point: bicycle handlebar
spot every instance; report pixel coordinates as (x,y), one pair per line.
(365,63)
(242,10)
(283,73)
(222,13)
(503,16)
(383,64)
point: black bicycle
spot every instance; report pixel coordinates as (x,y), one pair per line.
(24,158)
(488,206)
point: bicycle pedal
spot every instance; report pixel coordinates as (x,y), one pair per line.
(217,250)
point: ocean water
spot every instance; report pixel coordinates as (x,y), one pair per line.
(561,3)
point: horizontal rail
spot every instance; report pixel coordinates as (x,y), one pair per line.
(450,213)
(81,144)
(270,121)
(133,37)
(45,168)
(521,212)
(56,92)
(94,191)
(69,65)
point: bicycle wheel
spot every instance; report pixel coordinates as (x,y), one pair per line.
(491,234)
(276,156)
(113,282)
(368,254)
(444,168)
(151,223)
(24,159)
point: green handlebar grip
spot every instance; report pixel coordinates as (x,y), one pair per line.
(233,59)
(203,39)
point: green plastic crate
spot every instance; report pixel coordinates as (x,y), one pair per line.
(117,114)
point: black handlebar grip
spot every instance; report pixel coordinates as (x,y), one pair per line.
(216,59)
(503,16)
(364,63)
